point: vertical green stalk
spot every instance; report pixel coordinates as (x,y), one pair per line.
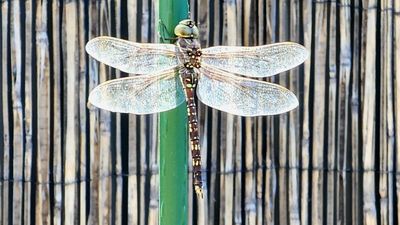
(173,135)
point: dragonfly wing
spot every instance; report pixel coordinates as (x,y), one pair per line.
(139,94)
(258,61)
(243,96)
(131,57)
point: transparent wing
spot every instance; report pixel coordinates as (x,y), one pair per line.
(139,94)
(132,57)
(243,96)
(259,61)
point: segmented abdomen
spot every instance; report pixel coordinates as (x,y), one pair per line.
(189,81)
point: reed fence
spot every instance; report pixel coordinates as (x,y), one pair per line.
(333,160)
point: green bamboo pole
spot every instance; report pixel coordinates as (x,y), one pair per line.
(173,136)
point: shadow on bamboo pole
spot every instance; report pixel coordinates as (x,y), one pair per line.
(173,136)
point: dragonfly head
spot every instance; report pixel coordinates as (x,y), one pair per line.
(187,29)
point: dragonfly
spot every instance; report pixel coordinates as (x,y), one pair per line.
(168,75)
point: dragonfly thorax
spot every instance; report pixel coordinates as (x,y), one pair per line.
(193,59)
(189,53)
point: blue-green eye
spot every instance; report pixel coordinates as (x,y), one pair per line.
(187,29)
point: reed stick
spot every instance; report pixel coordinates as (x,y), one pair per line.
(355,111)
(368,101)
(120,120)
(7,124)
(28,108)
(82,104)
(307,113)
(386,115)
(333,182)
(259,126)
(282,79)
(94,117)
(270,179)
(396,96)
(231,122)
(17,110)
(343,141)
(294,124)
(133,167)
(144,125)
(319,111)
(71,144)
(57,113)
(43,101)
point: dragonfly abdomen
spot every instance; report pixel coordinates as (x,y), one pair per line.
(189,82)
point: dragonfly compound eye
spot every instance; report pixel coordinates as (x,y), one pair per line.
(187,29)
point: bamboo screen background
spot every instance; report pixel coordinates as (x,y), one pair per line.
(333,160)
